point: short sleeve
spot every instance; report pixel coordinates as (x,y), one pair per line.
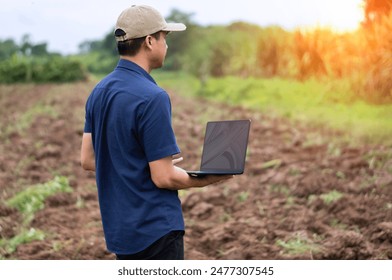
(156,130)
(87,120)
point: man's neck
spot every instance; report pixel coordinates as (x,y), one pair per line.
(139,60)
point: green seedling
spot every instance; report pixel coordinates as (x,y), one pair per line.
(33,198)
(25,236)
(275,163)
(331,197)
(298,245)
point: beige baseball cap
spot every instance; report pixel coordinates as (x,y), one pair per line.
(141,20)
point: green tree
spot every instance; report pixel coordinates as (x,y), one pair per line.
(242,59)
(196,59)
(39,49)
(8,48)
(180,42)
(99,56)
(25,47)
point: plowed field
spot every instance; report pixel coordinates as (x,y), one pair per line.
(304,195)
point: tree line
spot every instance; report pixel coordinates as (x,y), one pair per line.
(29,62)
(363,57)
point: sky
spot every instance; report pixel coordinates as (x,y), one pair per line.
(64,24)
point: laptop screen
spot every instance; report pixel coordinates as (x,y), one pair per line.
(225,144)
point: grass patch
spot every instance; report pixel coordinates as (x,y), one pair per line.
(33,198)
(275,163)
(28,202)
(179,82)
(327,198)
(298,246)
(25,120)
(243,196)
(278,188)
(329,103)
(25,236)
(379,159)
(331,197)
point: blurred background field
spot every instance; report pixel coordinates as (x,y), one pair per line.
(329,103)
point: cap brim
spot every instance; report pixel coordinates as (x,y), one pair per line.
(174,27)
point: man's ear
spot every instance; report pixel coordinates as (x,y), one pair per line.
(148,42)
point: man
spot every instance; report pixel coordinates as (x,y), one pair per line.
(129,141)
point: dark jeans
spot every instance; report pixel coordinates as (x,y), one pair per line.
(168,247)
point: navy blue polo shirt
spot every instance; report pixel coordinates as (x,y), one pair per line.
(129,117)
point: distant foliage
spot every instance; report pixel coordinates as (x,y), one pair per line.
(28,62)
(376,84)
(7,48)
(99,56)
(375,10)
(274,53)
(54,69)
(362,57)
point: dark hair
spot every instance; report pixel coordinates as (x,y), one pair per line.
(131,47)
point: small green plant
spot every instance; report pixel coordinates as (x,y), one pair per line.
(28,202)
(311,198)
(290,201)
(294,172)
(26,119)
(275,163)
(225,217)
(243,196)
(298,245)
(37,110)
(378,159)
(279,188)
(340,175)
(33,198)
(25,236)
(23,162)
(334,150)
(57,246)
(331,197)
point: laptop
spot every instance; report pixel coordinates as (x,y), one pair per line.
(224,149)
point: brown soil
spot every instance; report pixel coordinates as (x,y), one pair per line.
(264,214)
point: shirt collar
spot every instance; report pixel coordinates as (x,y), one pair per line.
(129,65)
